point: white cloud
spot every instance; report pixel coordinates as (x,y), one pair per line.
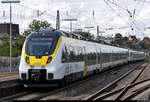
(106,16)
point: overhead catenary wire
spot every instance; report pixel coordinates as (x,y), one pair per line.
(132,14)
(92,21)
(116,12)
(78,23)
(115,4)
(35,11)
(136,8)
(141,7)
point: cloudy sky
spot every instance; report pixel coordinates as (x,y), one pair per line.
(120,15)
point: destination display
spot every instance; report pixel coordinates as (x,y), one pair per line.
(42,39)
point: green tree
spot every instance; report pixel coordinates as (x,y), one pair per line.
(118,36)
(4,45)
(118,39)
(18,44)
(84,34)
(146,38)
(35,25)
(27,32)
(125,38)
(144,46)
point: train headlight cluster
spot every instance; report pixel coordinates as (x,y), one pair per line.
(49,60)
(27,60)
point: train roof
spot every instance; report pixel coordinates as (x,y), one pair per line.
(57,33)
(45,32)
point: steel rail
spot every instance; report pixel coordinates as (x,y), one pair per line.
(7,89)
(138,92)
(16,96)
(64,88)
(9,81)
(91,97)
(61,89)
(120,89)
(97,94)
(127,87)
(23,93)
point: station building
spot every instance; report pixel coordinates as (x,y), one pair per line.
(5,29)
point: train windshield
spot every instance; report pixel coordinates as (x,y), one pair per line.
(39,46)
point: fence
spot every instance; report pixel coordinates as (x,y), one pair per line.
(5,67)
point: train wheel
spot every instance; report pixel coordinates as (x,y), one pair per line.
(96,71)
(67,79)
(62,84)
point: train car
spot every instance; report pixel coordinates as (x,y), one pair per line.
(136,56)
(52,57)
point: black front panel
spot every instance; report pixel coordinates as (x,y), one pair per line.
(37,74)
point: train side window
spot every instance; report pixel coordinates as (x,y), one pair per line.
(79,54)
(75,54)
(72,54)
(64,54)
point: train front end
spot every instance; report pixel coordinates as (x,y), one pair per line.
(37,67)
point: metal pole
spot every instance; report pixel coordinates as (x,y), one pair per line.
(58,20)
(10,1)
(10,39)
(70,26)
(97,31)
(101,36)
(70,22)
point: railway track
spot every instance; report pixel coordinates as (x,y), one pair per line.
(130,90)
(34,95)
(10,87)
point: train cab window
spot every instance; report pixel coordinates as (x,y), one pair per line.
(39,46)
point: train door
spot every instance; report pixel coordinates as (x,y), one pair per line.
(112,58)
(129,55)
(85,62)
(97,53)
(100,60)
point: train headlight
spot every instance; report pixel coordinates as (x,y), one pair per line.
(27,60)
(49,60)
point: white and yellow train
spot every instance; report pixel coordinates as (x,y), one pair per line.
(53,57)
